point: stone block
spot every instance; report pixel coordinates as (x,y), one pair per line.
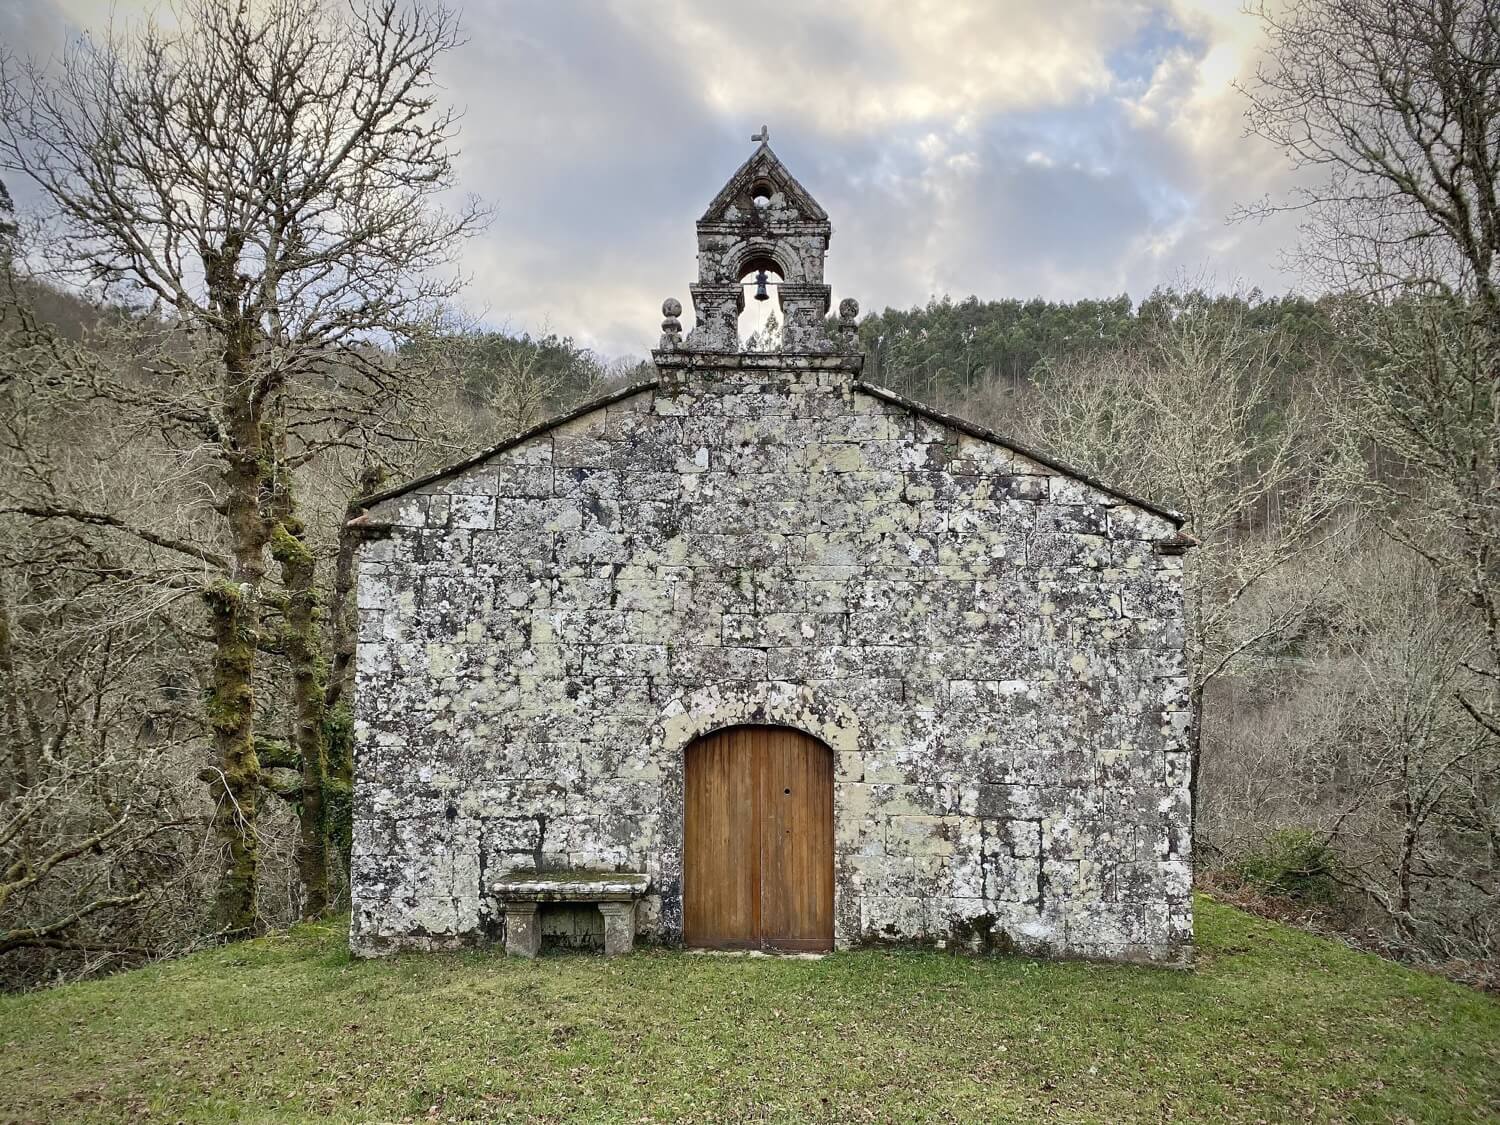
(920,835)
(523,929)
(619,927)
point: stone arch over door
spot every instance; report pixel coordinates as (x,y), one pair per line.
(745,703)
(758,840)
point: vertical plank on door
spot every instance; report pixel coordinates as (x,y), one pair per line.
(718,878)
(796,842)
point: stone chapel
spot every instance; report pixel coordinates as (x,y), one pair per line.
(756,654)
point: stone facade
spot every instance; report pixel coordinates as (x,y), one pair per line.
(990,644)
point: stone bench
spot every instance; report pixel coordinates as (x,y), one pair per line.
(523,893)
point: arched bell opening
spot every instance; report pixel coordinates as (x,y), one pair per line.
(761,315)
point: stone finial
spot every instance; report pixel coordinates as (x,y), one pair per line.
(848,324)
(671,327)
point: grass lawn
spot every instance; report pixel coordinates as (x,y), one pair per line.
(1274,1025)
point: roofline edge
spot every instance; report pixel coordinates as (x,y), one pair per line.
(974,430)
(953,421)
(542,427)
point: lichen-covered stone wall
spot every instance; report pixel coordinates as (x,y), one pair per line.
(992,649)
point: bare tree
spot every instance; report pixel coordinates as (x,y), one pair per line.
(525,389)
(510,382)
(101,824)
(1358,746)
(104,833)
(266,174)
(8,228)
(1416,824)
(1186,416)
(1391,109)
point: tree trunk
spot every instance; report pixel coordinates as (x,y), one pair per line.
(304,651)
(20,747)
(231,713)
(1195,758)
(1403,874)
(1408,844)
(303,642)
(234,608)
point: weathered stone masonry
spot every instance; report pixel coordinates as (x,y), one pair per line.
(991,646)
(993,650)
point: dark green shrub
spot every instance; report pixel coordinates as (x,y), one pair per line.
(1292,863)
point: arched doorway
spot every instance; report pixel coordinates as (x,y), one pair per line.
(758,841)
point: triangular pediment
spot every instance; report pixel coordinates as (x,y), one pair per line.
(736,200)
(380,509)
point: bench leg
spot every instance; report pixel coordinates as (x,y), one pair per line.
(523,929)
(619,927)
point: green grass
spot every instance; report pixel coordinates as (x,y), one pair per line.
(1274,1025)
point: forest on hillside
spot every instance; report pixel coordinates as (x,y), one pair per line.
(235,320)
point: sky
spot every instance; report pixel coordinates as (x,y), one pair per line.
(1061,149)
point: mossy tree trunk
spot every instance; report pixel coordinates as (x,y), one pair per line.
(1195,764)
(303,646)
(234,602)
(20,747)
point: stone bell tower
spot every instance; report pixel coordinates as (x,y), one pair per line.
(761,220)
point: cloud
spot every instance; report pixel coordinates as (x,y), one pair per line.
(1065,148)
(886,63)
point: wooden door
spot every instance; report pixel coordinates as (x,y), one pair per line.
(758,841)
(720,868)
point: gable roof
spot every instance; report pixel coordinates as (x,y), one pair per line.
(457,467)
(950,421)
(973,430)
(765,164)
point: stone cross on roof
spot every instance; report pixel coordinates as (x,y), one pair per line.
(764,136)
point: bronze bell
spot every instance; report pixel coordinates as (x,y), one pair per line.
(760,286)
